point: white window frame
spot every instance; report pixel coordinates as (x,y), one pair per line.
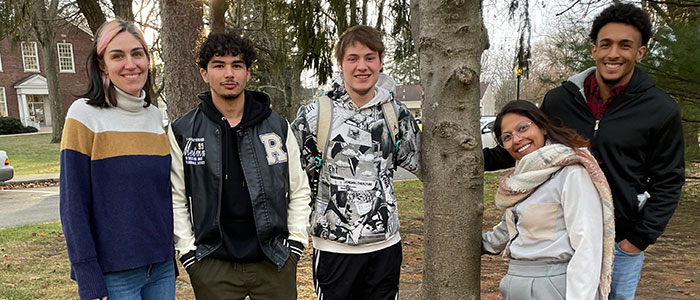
(36,56)
(4,99)
(0,62)
(72,59)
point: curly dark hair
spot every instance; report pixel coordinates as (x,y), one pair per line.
(624,13)
(222,44)
(555,134)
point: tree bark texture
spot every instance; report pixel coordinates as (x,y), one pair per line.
(364,13)
(122,9)
(452,39)
(217,13)
(415,22)
(44,28)
(285,90)
(93,13)
(353,13)
(180,34)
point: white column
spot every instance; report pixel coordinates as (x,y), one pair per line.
(22,105)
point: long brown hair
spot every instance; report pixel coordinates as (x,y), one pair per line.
(555,134)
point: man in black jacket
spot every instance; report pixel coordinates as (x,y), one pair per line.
(635,133)
(240,196)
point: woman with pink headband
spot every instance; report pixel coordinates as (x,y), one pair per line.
(116,207)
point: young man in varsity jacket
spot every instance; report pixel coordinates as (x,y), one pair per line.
(635,132)
(240,196)
(354,222)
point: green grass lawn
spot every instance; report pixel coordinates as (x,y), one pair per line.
(34,262)
(31,154)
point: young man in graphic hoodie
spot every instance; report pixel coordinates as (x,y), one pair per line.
(354,221)
(240,196)
(635,132)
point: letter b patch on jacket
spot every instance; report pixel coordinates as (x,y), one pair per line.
(273,147)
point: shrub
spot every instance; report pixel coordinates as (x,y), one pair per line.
(11,125)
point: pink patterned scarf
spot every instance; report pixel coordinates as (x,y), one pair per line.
(537,167)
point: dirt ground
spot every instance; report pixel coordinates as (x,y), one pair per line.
(671,268)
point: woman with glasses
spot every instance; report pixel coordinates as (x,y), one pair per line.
(557,228)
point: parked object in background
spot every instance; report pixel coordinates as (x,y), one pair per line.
(486,127)
(6,170)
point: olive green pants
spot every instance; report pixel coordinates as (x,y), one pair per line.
(214,279)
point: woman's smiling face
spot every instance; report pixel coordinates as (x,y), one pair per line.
(126,63)
(520,135)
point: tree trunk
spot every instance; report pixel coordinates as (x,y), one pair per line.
(690,112)
(182,27)
(122,9)
(338,7)
(364,12)
(452,39)
(93,13)
(415,23)
(380,16)
(285,93)
(217,13)
(45,31)
(353,13)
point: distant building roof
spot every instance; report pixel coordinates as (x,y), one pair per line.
(409,92)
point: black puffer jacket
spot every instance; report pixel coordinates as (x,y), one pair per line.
(639,145)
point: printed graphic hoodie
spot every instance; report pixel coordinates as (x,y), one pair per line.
(354,209)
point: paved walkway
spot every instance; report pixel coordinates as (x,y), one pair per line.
(33,178)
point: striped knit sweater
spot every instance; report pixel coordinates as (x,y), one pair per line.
(115,205)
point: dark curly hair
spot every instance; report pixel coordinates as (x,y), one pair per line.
(556,134)
(624,13)
(222,44)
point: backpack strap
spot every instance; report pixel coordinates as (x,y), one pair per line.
(392,122)
(325,112)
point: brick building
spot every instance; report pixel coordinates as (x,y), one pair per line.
(23,85)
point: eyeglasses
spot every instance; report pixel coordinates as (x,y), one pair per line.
(507,138)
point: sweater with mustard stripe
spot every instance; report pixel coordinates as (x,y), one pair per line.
(115,197)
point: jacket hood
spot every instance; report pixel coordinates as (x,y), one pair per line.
(640,81)
(256,108)
(382,93)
